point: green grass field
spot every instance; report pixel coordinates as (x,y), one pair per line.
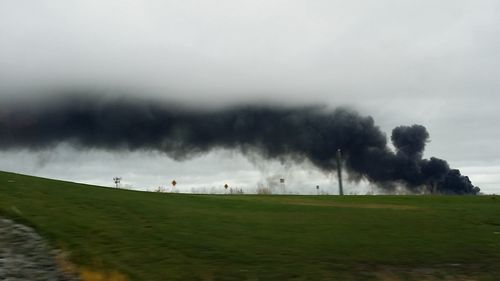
(159,236)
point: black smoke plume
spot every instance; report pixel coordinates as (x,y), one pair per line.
(298,133)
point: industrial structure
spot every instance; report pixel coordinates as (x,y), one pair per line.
(339,171)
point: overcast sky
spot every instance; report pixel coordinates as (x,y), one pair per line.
(434,63)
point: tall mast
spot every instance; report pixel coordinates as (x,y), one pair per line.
(339,171)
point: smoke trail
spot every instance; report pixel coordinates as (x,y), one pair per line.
(298,133)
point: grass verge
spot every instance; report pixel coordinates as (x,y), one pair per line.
(154,236)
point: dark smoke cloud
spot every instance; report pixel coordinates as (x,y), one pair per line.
(298,133)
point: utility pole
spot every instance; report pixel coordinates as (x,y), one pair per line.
(339,171)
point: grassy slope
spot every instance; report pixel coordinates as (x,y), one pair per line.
(151,236)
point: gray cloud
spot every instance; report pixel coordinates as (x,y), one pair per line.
(231,49)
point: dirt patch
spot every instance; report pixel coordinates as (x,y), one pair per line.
(390,273)
(349,205)
(93,275)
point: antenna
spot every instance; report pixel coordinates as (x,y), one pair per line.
(339,171)
(117,180)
